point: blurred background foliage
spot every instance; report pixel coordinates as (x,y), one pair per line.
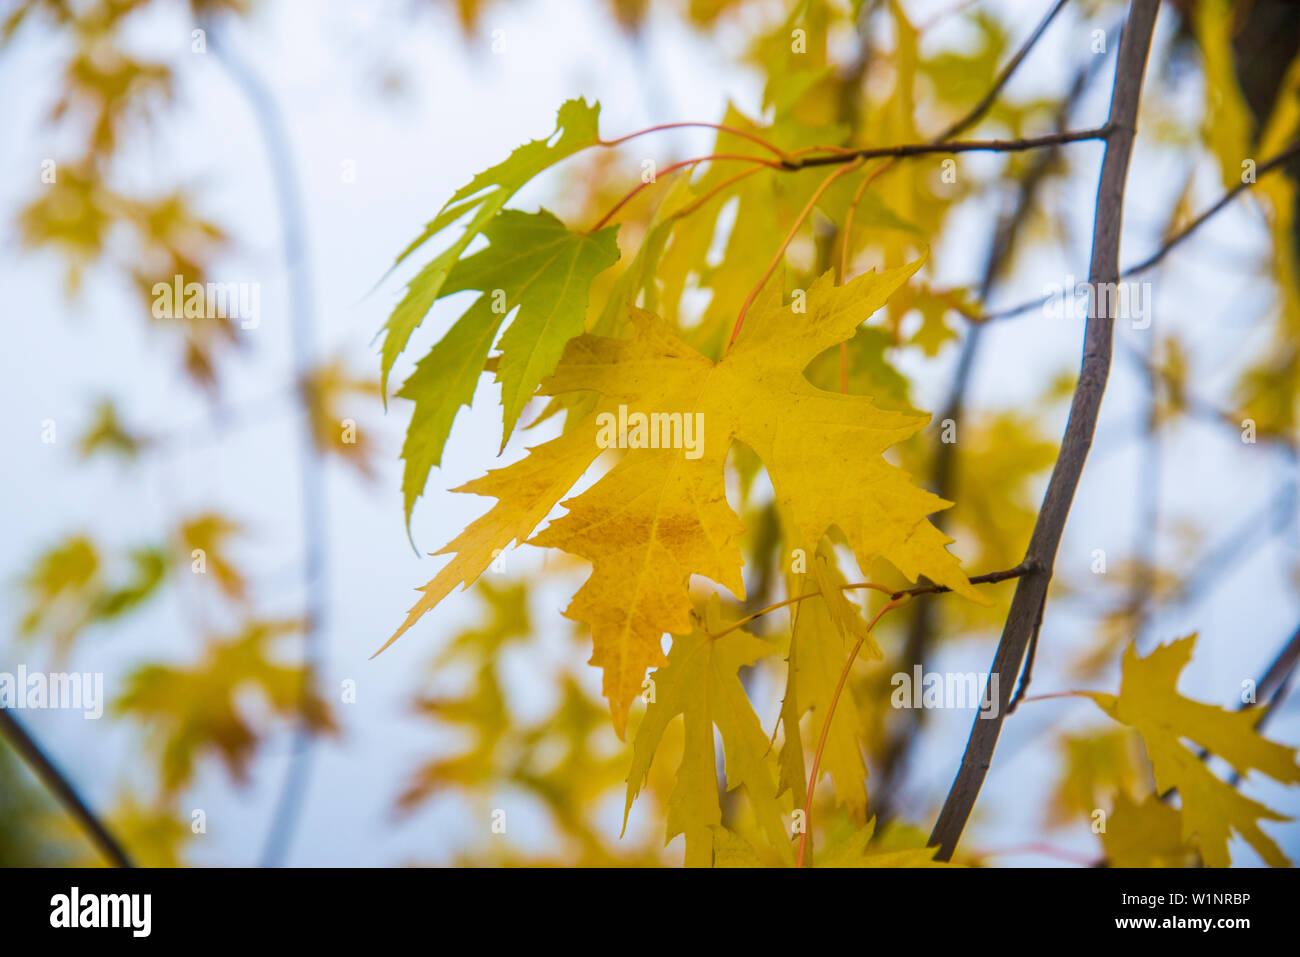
(1224,85)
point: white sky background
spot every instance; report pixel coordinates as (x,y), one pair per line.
(465,108)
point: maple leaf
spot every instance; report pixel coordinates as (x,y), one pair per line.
(208,535)
(330,393)
(1146,834)
(534,263)
(848,847)
(661,514)
(526,490)
(63,590)
(155,832)
(1149,702)
(107,434)
(192,709)
(481,198)
(818,650)
(1096,766)
(149,568)
(700,683)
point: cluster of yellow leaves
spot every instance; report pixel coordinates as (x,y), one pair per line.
(104,91)
(194,710)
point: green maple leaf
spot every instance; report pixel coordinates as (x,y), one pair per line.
(533,263)
(481,199)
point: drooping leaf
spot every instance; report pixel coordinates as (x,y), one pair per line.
(532,263)
(481,199)
(700,683)
(825,629)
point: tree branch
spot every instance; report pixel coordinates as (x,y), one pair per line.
(58,785)
(979,109)
(955,146)
(922,625)
(1031,591)
(311,486)
(1165,248)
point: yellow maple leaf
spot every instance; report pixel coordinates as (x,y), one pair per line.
(700,682)
(1146,834)
(661,514)
(824,628)
(1211,808)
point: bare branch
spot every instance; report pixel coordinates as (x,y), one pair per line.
(1165,248)
(58,785)
(1031,591)
(311,484)
(957,146)
(921,628)
(979,109)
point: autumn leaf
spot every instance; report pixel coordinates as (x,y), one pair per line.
(848,847)
(825,628)
(533,264)
(156,834)
(204,540)
(1145,834)
(106,433)
(527,491)
(149,569)
(700,683)
(191,710)
(481,199)
(1149,701)
(331,394)
(661,515)
(63,590)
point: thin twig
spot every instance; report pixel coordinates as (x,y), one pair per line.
(312,489)
(1166,247)
(58,784)
(979,109)
(955,146)
(1024,568)
(780,153)
(921,628)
